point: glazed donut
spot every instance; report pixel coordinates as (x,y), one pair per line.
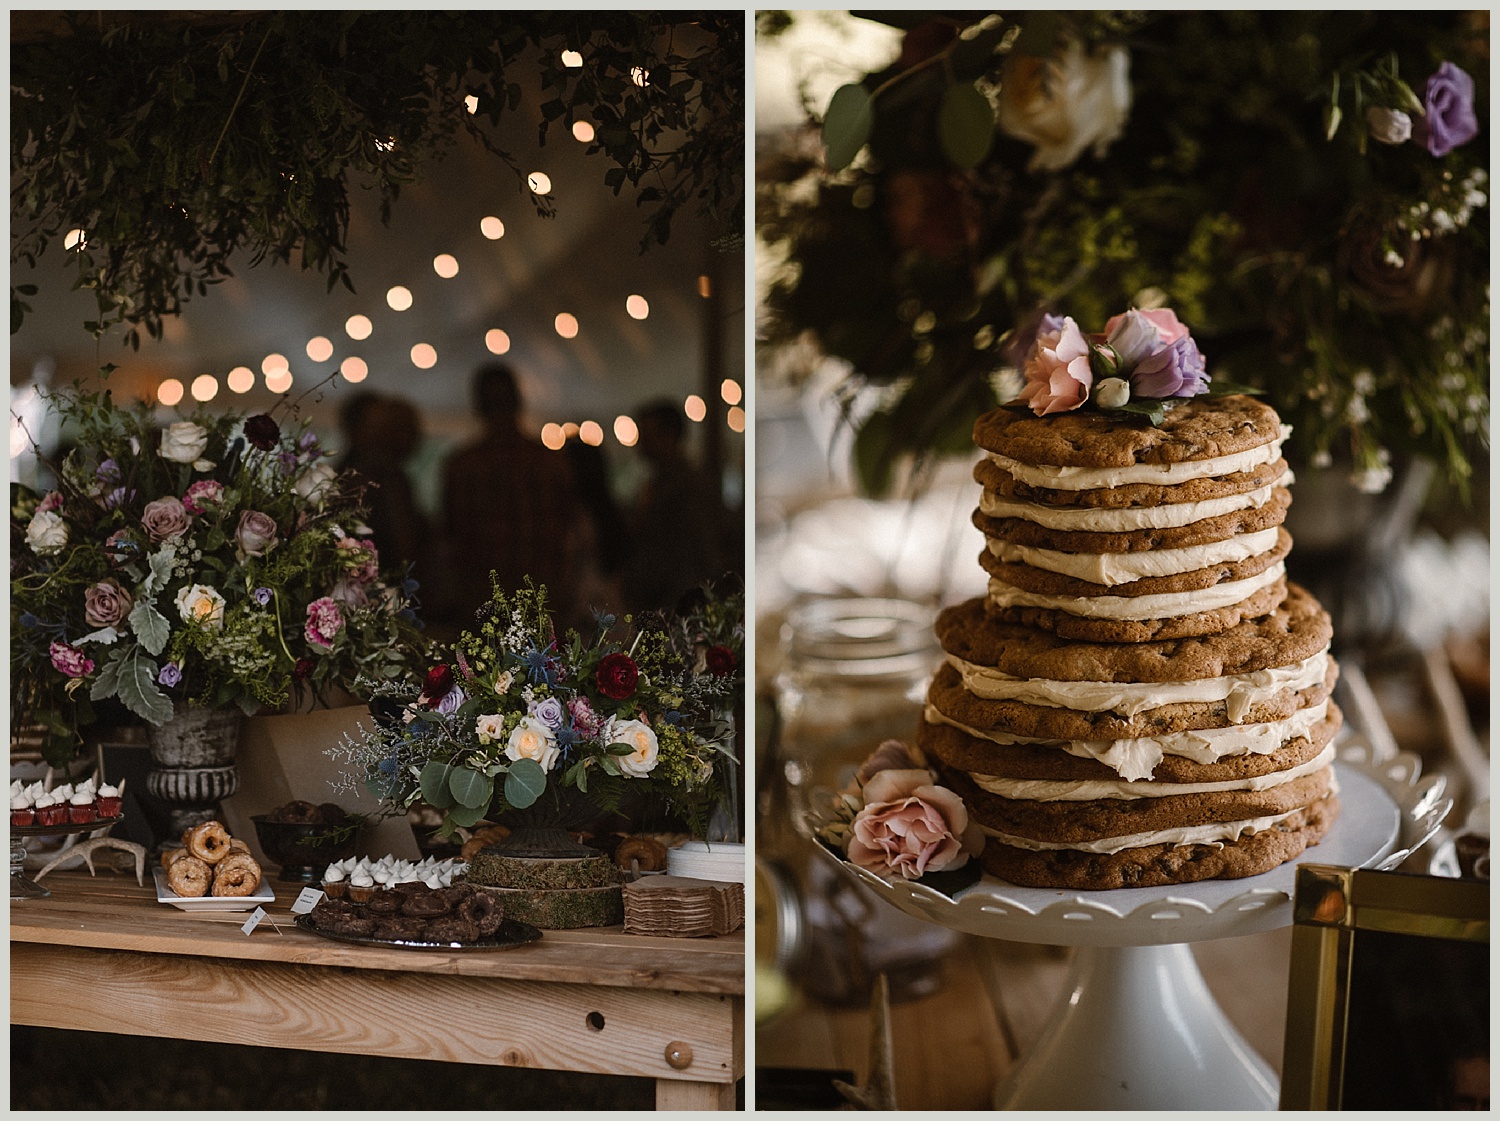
(237,875)
(649,854)
(209,842)
(237,845)
(170,854)
(189,877)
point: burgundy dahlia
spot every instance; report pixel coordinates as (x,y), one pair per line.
(616,676)
(263,432)
(720,661)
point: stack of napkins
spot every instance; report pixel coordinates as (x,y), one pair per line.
(682,907)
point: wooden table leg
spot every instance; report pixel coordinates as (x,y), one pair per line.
(673,1093)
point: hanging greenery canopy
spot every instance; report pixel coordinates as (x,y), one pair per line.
(1307,190)
(173,140)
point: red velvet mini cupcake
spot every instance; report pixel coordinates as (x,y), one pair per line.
(82,809)
(49,812)
(110,801)
(22,812)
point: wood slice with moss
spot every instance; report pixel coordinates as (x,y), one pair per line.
(490,868)
(562,908)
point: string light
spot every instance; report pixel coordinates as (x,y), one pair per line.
(583,132)
(273,362)
(626,431)
(736,419)
(731,392)
(205,387)
(591,433)
(572,59)
(705,287)
(354,369)
(423,356)
(169,392)
(319,349)
(398,298)
(241,379)
(75,239)
(496,341)
(636,307)
(553,436)
(569,430)
(445,265)
(539,183)
(566,325)
(638,75)
(695,408)
(472,103)
(358,327)
(491,227)
(279,381)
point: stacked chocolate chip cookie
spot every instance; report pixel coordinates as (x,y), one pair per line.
(1141,698)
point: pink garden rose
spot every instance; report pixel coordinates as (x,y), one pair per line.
(910,826)
(255,536)
(1057,371)
(324,621)
(203,496)
(165,518)
(69,660)
(106,604)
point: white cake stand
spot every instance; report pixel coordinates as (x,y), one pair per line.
(1138,1028)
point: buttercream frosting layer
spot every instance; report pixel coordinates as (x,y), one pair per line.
(1111,569)
(1128,518)
(1216,833)
(1163,605)
(1160,474)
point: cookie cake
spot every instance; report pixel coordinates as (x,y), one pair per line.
(1141,698)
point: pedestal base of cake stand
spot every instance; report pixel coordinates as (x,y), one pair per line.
(1139,1028)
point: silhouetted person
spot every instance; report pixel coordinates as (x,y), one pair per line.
(383,433)
(676,517)
(602,558)
(509,505)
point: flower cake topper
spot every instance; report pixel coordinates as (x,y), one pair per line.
(1138,363)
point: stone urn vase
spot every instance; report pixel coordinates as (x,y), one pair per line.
(192,764)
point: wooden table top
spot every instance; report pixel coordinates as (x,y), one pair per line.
(110,911)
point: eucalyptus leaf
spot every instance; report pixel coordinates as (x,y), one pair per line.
(524,783)
(470,788)
(433,783)
(966,125)
(846,126)
(466,816)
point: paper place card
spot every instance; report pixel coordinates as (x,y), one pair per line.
(307,899)
(254,920)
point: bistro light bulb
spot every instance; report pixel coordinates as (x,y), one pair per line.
(736,419)
(358,327)
(423,356)
(398,298)
(570,430)
(705,287)
(75,239)
(205,387)
(169,392)
(572,59)
(539,183)
(591,433)
(626,431)
(636,307)
(583,132)
(279,381)
(553,436)
(567,325)
(319,349)
(354,369)
(491,227)
(638,75)
(241,379)
(445,265)
(496,341)
(273,362)
(730,392)
(472,103)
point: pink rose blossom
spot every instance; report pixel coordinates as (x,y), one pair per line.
(52,500)
(69,660)
(910,826)
(1057,372)
(256,534)
(202,496)
(164,518)
(324,621)
(106,604)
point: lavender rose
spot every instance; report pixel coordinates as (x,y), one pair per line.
(106,604)
(1176,371)
(165,518)
(910,826)
(255,536)
(1448,120)
(170,675)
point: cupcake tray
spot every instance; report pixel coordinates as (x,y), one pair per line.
(510,935)
(66,828)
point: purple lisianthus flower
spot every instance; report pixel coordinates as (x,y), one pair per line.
(1174,371)
(170,675)
(261,596)
(108,472)
(118,497)
(1448,104)
(451,701)
(549,711)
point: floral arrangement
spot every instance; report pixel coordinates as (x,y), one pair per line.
(522,712)
(896,820)
(1308,189)
(213,560)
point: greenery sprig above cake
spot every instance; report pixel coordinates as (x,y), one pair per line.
(643,705)
(215,559)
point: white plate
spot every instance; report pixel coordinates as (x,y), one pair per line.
(165,894)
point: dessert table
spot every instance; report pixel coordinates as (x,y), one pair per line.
(101,954)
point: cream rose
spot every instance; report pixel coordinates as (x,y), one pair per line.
(198,603)
(1065,103)
(533,740)
(46,533)
(183,442)
(489,727)
(315,483)
(639,736)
